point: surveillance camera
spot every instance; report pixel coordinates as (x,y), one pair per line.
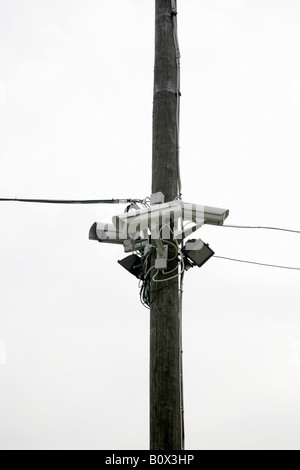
(156,217)
(215,216)
(152,218)
(105,233)
(203,214)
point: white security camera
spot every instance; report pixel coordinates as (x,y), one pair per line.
(156,217)
(203,214)
(105,233)
(153,218)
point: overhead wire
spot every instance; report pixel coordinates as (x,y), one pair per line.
(145,203)
(257,263)
(73,201)
(255,227)
(259,227)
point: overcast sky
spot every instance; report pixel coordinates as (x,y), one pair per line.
(76,84)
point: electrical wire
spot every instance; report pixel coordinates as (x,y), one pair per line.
(260,227)
(176,248)
(169,272)
(150,269)
(256,263)
(72,201)
(174,244)
(145,296)
(145,289)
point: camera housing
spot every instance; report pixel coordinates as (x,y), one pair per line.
(156,217)
(105,233)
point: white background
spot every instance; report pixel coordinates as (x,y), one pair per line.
(76,82)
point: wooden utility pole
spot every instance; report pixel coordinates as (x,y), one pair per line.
(165,345)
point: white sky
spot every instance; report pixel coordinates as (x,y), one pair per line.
(76,81)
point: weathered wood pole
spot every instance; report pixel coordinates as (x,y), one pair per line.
(165,383)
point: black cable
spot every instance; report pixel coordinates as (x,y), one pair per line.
(71,201)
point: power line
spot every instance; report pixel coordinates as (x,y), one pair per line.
(72,201)
(260,227)
(256,263)
(128,201)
